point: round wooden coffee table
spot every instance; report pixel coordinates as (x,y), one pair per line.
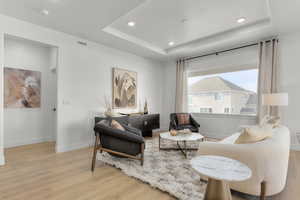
(220,170)
(180,138)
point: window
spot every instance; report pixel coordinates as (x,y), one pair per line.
(224,93)
(218,96)
(226,110)
(205,110)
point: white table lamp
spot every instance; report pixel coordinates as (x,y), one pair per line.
(275,99)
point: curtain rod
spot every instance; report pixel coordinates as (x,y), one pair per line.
(223,51)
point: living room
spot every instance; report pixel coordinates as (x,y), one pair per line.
(221,68)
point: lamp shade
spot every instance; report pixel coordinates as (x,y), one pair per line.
(275,99)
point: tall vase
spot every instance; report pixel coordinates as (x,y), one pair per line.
(146,108)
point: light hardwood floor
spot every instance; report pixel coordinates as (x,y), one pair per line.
(35,172)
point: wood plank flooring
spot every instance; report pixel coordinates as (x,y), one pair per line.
(35,172)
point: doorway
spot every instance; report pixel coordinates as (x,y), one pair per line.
(30,92)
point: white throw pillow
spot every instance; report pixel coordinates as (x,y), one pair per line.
(272,120)
(255,134)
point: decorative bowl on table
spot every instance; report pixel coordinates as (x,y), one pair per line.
(173,132)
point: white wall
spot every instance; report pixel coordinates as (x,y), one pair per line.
(30,125)
(290,81)
(84,77)
(2,160)
(84,81)
(169,93)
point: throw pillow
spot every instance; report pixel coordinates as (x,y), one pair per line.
(272,120)
(117,125)
(255,134)
(183,119)
(104,122)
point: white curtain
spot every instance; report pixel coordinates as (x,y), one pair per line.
(268,75)
(181,87)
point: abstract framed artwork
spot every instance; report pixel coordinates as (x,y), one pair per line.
(124,88)
(22,88)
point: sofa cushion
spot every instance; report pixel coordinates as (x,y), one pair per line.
(183,118)
(254,134)
(117,125)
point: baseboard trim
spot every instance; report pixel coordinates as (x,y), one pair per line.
(31,141)
(295,147)
(73,146)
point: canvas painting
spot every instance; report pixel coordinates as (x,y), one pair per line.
(124,88)
(22,88)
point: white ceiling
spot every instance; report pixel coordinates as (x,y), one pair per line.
(158,22)
(209,24)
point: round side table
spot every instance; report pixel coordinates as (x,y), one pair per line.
(220,170)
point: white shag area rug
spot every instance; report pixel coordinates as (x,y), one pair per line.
(168,171)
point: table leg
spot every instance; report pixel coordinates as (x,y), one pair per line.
(184,149)
(217,189)
(159,143)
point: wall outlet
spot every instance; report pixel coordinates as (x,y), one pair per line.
(298,137)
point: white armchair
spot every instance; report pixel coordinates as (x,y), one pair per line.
(268,160)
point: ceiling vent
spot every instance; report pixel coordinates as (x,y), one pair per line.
(82,43)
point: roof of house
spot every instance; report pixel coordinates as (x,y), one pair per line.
(252,99)
(250,106)
(215,83)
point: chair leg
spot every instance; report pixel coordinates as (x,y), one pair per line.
(142,153)
(263,188)
(95,152)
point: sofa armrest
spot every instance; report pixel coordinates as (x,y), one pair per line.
(194,122)
(268,159)
(124,135)
(245,153)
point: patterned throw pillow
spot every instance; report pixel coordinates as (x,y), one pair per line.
(117,125)
(183,119)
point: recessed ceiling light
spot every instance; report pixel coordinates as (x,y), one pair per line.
(184,20)
(131,23)
(171,43)
(241,20)
(45,12)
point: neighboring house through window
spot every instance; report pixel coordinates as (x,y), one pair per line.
(205,110)
(224,93)
(226,110)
